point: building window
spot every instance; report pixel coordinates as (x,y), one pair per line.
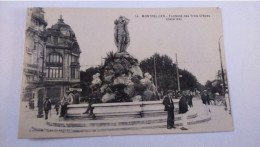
(49,39)
(54,66)
(34,45)
(55,40)
(28,93)
(73,72)
(74,59)
(28,78)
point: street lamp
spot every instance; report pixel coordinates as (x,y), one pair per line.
(178,76)
(222,70)
(41,91)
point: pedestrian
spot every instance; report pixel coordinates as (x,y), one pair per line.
(90,102)
(47,107)
(67,99)
(94,98)
(31,104)
(169,107)
(205,100)
(57,107)
(190,103)
(227,102)
(183,109)
(208,98)
(203,97)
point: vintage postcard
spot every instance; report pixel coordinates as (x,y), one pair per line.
(123,71)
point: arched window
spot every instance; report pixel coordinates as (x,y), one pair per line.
(75,48)
(74,59)
(74,67)
(54,65)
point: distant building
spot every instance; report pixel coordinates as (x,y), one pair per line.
(62,68)
(51,59)
(34,52)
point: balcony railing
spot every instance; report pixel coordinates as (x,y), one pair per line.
(74,64)
(30,71)
(28,50)
(55,79)
(54,64)
(41,54)
(32,66)
(61,80)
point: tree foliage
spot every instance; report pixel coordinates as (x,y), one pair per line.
(216,86)
(111,56)
(167,74)
(86,78)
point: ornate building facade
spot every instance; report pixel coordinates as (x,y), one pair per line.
(51,60)
(34,53)
(62,60)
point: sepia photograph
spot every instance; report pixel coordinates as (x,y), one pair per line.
(123,71)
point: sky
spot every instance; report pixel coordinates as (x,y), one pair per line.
(194,39)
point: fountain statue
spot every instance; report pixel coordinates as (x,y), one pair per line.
(121,34)
(122,78)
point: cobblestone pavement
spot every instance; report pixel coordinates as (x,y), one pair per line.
(221,120)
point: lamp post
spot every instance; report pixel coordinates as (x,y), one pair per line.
(41,91)
(155,74)
(222,70)
(178,76)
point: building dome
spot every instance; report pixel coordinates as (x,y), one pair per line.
(62,35)
(64,29)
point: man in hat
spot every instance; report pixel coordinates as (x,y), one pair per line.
(189,99)
(204,95)
(67,99)
(227,107)
(95,97)
(169,107)
(205,100)
(57,107)
(47,107)
(183,109)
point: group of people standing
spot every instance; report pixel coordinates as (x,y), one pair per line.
(185,99)
(205,97)
(70,97)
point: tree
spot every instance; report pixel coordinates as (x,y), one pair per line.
(188,80)
(216,86)
(86,79)
(166,73)
(208,85)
